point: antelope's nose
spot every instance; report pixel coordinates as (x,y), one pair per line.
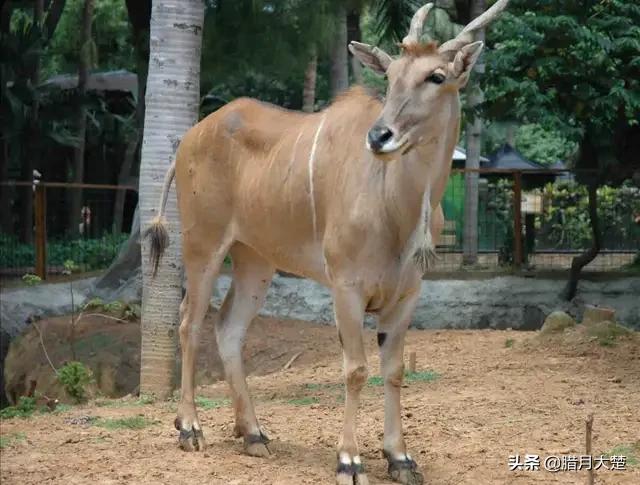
(378,136)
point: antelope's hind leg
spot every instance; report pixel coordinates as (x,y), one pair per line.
(251,279)
(202,260)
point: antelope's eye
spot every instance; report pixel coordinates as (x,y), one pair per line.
(436,78)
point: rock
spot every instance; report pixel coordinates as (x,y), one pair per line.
(557,321)
(595,314)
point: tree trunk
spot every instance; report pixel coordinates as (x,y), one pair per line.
(339,56)
(590,254)
(173,99)
(29,155)
(474,144)
(354,33)
(81,116)
(140,23)
(309,87)
(6,219)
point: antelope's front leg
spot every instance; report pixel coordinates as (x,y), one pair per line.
(349,313)
(392,328)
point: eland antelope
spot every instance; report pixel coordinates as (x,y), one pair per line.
(349,197)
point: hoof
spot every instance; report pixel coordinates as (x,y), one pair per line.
(191,439)
(404,471)
(256,445)
(350,471)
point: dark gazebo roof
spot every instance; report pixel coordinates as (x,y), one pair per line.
(508,158)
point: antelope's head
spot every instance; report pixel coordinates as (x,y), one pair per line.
(422,81)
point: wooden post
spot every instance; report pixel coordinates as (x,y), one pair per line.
(589,423)
(40,207)
(517,219)
(412,362)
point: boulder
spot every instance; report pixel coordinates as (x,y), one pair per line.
(595,314)
(557,322)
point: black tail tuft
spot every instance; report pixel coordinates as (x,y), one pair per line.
(159,239)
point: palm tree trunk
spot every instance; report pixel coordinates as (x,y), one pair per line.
(474,144)
(339,56)
(172,102)
(81,116)
(309,86)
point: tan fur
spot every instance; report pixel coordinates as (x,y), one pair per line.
(303,193)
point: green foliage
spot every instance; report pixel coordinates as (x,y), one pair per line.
(31,279)
(542,145)
(119,309)
(134,422)
(565,222)
(75,377)
(81,254)
(508,343)
(572,67)
(112,45)
(24,409)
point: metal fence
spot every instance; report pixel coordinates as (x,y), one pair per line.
(527,220)
(537,220)
(56,228)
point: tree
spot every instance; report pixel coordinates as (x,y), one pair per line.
(538,73)
(87,56)
(474,144)
(22,42)
(139,18)
(339,54)
(172,102)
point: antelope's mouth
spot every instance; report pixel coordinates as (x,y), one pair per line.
(388,146)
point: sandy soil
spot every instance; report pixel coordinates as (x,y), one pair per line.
(492,399)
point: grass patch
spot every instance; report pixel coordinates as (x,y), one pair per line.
(321,386)
(606,333)
(421,376)
(631,451)
(304,401)
(208,403)
(143,400)
(375,381)
(11,439)
(62,408)
(134,422)
(509,343)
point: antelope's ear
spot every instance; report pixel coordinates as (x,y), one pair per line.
(464,61)
(372,57)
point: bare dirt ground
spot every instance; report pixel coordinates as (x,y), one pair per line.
(491,394)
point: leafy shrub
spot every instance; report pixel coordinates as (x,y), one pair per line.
(75,254)
(25,408)
(31,279)
(75,376)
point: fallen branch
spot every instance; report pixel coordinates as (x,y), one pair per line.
(291,360)
(44,349)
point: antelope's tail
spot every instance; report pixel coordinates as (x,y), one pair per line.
(157,230)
